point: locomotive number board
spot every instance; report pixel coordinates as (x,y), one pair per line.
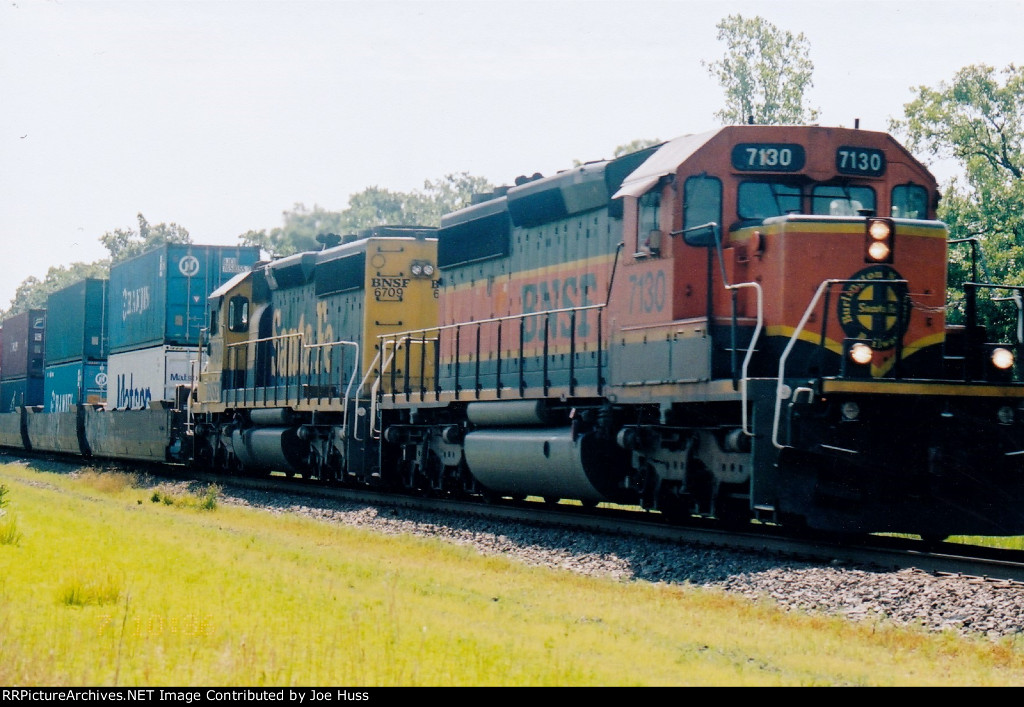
(768,157)
(865,161)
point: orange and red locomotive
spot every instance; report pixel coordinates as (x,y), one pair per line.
(748,323)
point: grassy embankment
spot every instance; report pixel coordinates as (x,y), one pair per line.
(103,582)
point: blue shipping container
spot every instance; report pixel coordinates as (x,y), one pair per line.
(76,322)
(160,297)
(74,383)
(19,392)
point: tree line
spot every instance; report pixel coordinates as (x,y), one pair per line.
(976,119)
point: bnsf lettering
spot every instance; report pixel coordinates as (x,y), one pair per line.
(389,282)
(558,294)
(134,301)
(389,289)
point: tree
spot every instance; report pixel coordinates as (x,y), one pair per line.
(123,244)
(120,243)
(33,292)
(765,72)
(374,206)
(635,146)
(978,121)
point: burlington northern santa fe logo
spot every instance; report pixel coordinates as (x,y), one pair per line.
(870,308)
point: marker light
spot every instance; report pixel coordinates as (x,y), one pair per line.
(1002,358)
(861,353)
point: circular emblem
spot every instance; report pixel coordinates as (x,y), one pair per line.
(875,307)
(101,379)
(189,266)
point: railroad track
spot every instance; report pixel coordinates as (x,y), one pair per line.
(881,553)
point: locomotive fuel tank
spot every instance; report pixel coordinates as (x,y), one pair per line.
(553,463)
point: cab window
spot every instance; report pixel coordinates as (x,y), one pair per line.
(839,200)
(761,200)
(649,220)
(909,201)
(702,201)
(238,313)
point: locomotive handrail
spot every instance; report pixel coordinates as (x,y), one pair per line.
(265,339)
(416,335)
(780,385)
(716,240)
(301,372)
(750,349)
(351,380)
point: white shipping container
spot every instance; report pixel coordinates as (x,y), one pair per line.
(137,378)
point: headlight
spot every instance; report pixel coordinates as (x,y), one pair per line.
(878,251)
(850,410)
(861,353)
(421,268)
(879,230)
(1002,358)
(878,240)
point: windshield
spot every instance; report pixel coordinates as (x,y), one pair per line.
(760,200)
(837,200)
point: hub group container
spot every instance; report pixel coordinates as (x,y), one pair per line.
(160,297)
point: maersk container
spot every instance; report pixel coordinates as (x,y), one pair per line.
(74,383)
(20,392)
(22,347)
(160,297)
(76,322)
(143,376)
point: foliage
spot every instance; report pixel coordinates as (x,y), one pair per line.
(33,292)
(635,146)
(89,590)
(765,72)
(251,597)
(127,243)
(978,121)
(205,501)
(374,206)
(120,243)
(9,533)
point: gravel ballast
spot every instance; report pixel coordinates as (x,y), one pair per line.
(910,597)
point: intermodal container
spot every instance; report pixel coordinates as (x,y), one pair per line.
(20,392)
(22,343)
(74,383)
(160,297)
(76,323)
(143,376)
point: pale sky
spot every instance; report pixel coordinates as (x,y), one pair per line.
(221,115)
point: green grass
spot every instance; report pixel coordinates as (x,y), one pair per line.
(107,587)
